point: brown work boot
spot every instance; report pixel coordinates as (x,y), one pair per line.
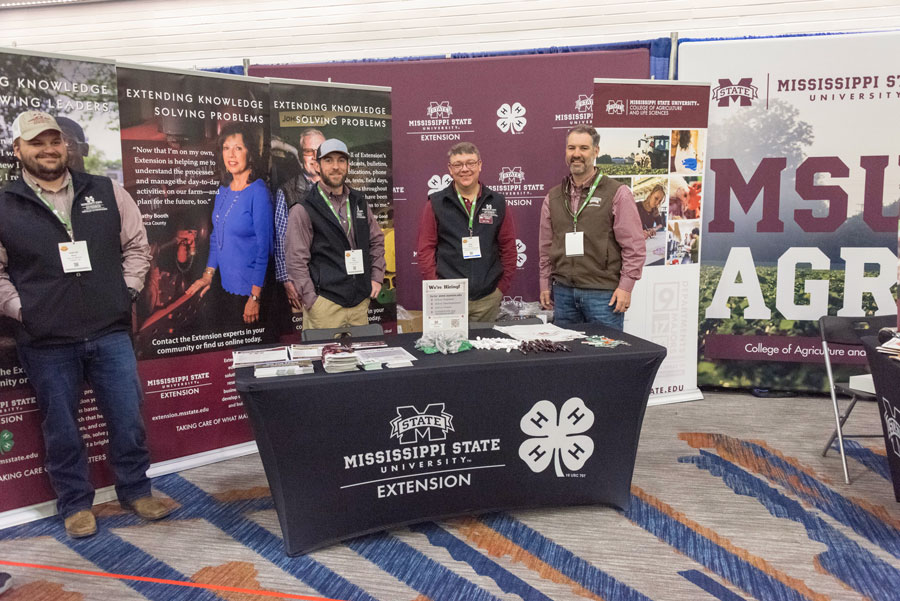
(149,508)
(81,524)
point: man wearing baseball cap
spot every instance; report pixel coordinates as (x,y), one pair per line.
(334,248)
(73,256)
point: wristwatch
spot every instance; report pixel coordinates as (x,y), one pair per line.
(253,297)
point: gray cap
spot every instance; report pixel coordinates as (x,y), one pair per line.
(332,145)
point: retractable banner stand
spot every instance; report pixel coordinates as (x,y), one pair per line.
(516,109)
(653,139)
(81,94)
(360,116)
(802,200)
(175,125)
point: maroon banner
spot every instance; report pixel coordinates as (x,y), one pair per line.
(516,109)
(792,349)
(648,105)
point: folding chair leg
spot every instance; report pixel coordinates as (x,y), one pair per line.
(843,420)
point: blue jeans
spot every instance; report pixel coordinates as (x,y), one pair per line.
(583,305)
(57,374)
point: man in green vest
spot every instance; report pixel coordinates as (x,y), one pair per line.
(591,242)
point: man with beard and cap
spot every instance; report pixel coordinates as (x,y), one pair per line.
(291,193)
(591,243)
(73,256)
(334,247)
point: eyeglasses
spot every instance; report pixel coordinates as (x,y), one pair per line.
(309,152)
(470,165)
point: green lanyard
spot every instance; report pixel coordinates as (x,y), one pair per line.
(331,206)
(470,212)
(67,222)
(584,203)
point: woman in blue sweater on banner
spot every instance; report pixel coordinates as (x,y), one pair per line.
(243,216)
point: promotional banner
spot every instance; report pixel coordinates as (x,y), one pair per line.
(802,200)
(81,94)
(303,114)
(179,130)
(653,139)
(515,109)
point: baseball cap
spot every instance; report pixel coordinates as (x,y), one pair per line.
(30,124)
(332,145)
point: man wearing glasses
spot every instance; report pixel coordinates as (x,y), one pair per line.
(467,232)
(291,193)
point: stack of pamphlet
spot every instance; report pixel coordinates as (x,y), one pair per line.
(254,357)
(337,358)
(283,368)
(891,347)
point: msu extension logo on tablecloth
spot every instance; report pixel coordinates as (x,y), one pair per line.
(411,425)
(557,436)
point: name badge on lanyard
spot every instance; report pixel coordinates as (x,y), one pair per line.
(574,244)
(471,247)
(74,256)
(353,261)
(575,239)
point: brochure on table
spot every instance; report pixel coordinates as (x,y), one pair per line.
(445,307)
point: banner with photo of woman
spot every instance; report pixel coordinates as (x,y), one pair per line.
(195,150)
(303,115)
(81,95)
(653,139)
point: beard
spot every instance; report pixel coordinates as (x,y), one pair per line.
(335,181)
(38,170)
(579,167)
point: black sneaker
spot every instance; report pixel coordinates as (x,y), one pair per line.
(5,582)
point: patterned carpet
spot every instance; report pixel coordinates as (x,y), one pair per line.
(731,500)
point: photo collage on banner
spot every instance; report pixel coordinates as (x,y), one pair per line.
(515,109)
(303,114)
(801,201)
(185,137)
(653,140)
(81,95)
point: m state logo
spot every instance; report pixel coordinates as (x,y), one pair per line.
(512,175)
(411,425)
(614,107)
(90,205)
(585,103)
(891,415)
(439,110)
(557,436)
(511,118)
(743,91)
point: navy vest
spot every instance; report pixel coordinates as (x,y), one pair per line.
(453,223)
(60,307)
(326,262)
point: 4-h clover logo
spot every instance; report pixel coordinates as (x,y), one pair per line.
(6,442)
(521,257)
(512,118)
(557,436)
(436,183)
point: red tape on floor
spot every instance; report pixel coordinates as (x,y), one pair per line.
(211,587)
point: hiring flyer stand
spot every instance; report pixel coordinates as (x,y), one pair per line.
(445,307)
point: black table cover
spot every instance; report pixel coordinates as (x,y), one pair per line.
(886,377)
(346,454)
